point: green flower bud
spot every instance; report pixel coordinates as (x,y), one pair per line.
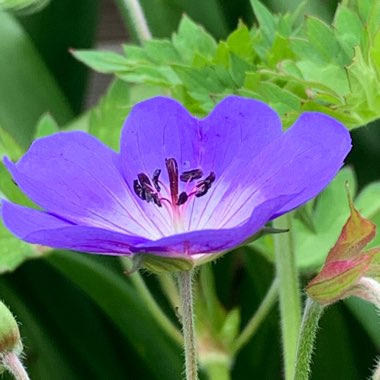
(10,340)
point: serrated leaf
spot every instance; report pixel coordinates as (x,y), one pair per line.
(161,52)
(349,30)
(240,43)
(322,38)
(102,61)
(265,19)
(192,38)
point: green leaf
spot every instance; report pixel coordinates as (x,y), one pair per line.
(109,291)
(265,19)
(27,89)
(322,38)
(191,38)
(46,126)
(102,61)
(8,146)
(107,118)
(349,30)
(14,251)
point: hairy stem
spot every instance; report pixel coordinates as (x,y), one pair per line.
(13,364)
(256,320)
(134,17)
(306,340)
(289,292)
(187,314)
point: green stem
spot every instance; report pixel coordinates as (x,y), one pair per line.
(214,311)
(154,309)
(187,314)
(168,286)
(256,320)
(13,364)
(308,332)
(133,16)
(289,292)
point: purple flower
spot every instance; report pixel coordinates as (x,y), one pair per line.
(180,185)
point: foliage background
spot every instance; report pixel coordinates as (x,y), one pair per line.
(80,316)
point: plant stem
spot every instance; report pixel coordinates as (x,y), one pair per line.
(207,282)
(376,372)
(256,320)
(308,332)
(289,292)
(169,287)
(134,17)
(187,314)
(154,309)
(13,364)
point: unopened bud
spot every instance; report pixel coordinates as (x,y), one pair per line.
(10,340)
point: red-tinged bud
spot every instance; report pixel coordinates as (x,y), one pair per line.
(347,263)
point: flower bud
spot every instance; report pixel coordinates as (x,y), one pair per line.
(10,340)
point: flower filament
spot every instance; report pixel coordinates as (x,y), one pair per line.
(150,189)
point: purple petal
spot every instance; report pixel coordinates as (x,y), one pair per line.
(38,227)
(73,175)
(213,241)
(301,162)
(160,128)
(305,160)
(236,126)
(156,129)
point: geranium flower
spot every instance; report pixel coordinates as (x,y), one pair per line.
(180,186)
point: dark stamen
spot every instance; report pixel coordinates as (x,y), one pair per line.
(143,188)
(182,198)
(211,178)
(172,168)
(191,175)
(138,189)
(204,186)
(155,178)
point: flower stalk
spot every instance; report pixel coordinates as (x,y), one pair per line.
(133,15)
(289,292)
(187,314)
(13,364)
(306,340)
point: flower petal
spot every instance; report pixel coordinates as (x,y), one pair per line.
(38,227)
(307,158)
(156,129)
(73,175)
(213,241)
(237,126)
(301,162)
